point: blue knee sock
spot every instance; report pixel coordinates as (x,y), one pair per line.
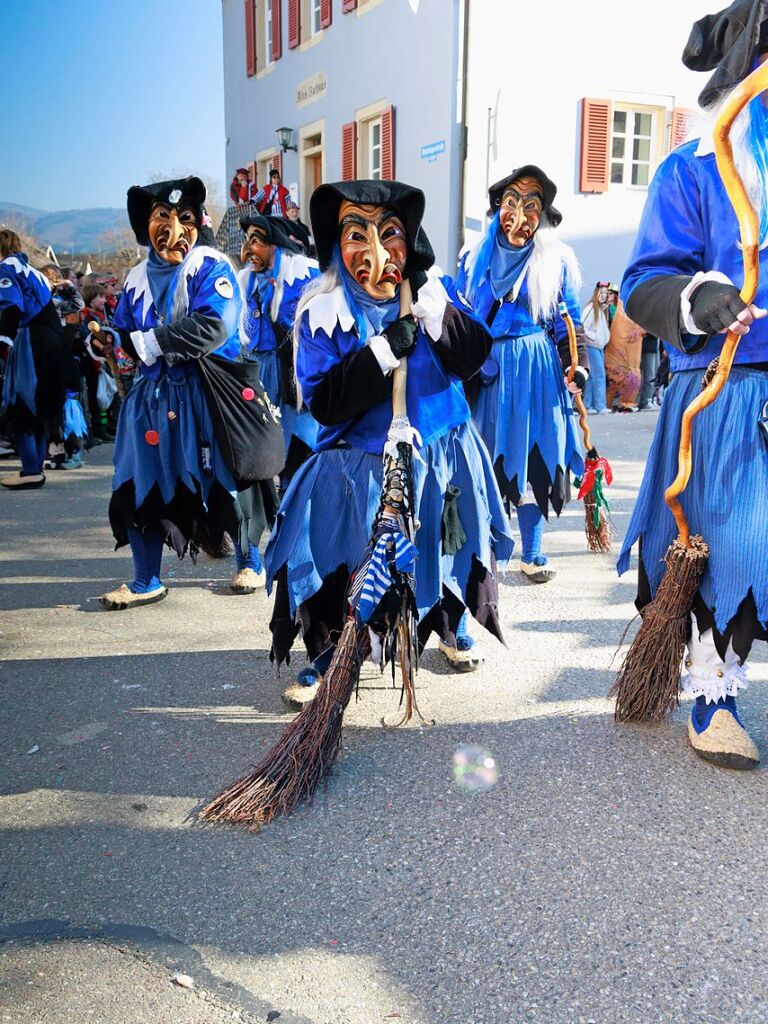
(250,561)
(464,641)
(147,551)
(531,523)
(702,711)
(31,451)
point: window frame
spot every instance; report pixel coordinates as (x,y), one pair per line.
(628,161)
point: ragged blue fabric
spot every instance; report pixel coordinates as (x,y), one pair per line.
(20,381)
(75,423)
(729,482)
(23,287)
(327,513)
(295,423)
(527,405)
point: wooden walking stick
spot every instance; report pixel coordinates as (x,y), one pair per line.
(305,753)
(95,328)
(647,687)
(597,470)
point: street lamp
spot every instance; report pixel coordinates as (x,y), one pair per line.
(285,138)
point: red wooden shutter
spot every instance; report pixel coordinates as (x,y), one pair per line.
(277,163)
(276,43)
(678,127)
(294,23)
(348,5)
(349,151)
(388,144)
(595,145)
(325,13)
(253,170)
(250,37)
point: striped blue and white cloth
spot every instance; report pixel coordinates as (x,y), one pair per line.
(392,553)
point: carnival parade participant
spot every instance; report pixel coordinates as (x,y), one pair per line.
(272,281)
(350,337)
(682,284)
(34,389)
(514,278)
(179,309)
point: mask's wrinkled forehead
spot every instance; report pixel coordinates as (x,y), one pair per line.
(365,216)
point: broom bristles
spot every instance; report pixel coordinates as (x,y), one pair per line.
(305,753)
(647,687)
(598,535)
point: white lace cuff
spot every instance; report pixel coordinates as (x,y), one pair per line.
(147,348)
(429,308)
(707,674)
(685,299)
(385,357)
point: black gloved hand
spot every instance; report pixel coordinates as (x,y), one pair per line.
(401,336)
(580,377)
(715,306)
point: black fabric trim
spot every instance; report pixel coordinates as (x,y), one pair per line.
(192,336)
(492,313)
(743,629)
(350,388)
(463,345)
(655,306)
(546,492)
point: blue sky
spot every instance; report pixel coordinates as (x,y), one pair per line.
(98,96)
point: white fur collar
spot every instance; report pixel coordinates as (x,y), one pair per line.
(326,309)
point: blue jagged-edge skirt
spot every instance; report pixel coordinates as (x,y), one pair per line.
(726,502)
(324,524)
(525,417)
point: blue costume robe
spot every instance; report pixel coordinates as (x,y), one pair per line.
(268,315)
(689,227)
(325,518)
(169,471)
(523,409)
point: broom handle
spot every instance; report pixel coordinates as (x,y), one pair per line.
(400,376)
(95,328)
(578,401)
(752,86)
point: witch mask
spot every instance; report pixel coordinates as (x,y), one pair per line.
(374,249)
(520,210)
(173,231)
(257,249)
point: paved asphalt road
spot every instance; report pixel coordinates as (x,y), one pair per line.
(608,876)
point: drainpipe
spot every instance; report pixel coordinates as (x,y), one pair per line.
(464,43)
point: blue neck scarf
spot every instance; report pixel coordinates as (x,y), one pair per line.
(379,314)
(162,277)
(507,263)
(265,282)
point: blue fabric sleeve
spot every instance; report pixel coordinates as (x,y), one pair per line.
(316,355)
(214,292)
(10,289)
(123,319)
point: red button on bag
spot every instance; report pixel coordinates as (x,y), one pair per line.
(152,437)
(248,394)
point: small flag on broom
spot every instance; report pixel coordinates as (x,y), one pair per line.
(382,596)
(597,470)
(647,687)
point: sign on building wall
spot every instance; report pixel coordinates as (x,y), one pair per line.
(432,150)
(311,89)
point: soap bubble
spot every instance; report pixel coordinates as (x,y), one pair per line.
(474,768)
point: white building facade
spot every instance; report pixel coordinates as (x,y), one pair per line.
(451,95)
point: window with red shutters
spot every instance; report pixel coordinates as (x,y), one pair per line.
(388,144)
(250,37)
(276,42)
(679,126)
(326,13)
(294,23)
(277,163)
(349,151)
(348,5)
(595,145)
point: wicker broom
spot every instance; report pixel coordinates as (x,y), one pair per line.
(597,470)
(305,753)
(647,687)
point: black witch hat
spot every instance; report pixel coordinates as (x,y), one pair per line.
(178,192)
(405,199)
(729,42)
(495,192)
(274,229)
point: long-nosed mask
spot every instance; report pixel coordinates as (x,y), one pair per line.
(520,210)
(374,248)
(257,248)
(173,231)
